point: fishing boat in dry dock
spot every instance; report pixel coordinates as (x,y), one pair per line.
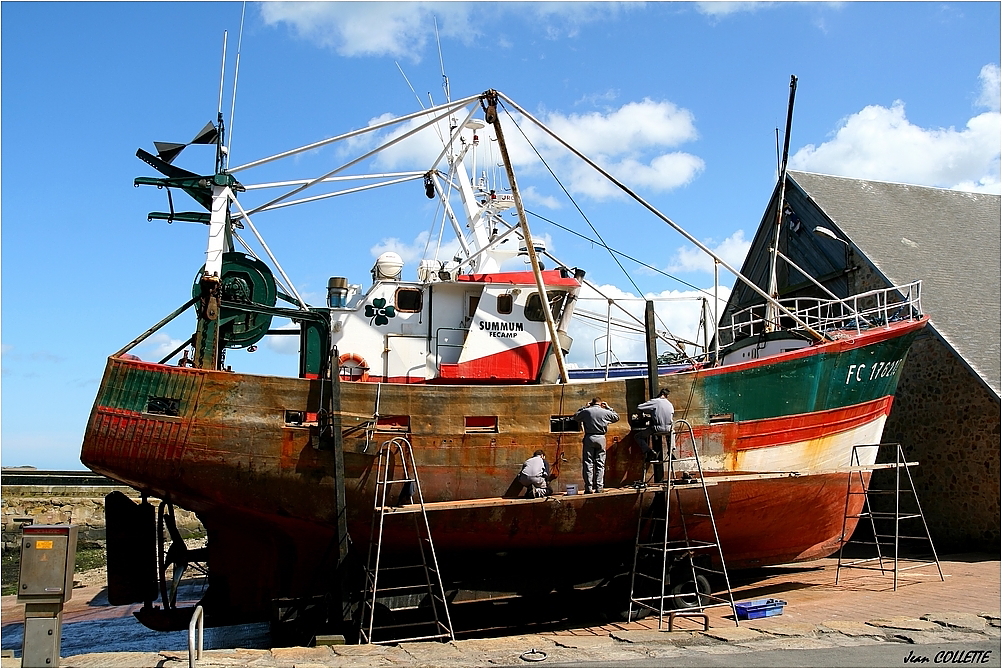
(467,363)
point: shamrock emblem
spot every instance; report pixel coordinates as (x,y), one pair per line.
(379,312)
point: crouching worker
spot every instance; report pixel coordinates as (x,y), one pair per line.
(535,475)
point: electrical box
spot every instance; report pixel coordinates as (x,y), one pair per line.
(48,555)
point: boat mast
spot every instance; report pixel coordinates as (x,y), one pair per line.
(771,318)
(491,116)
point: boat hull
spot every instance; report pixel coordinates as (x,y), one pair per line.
(264,484)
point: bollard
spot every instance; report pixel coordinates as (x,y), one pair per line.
(45,583)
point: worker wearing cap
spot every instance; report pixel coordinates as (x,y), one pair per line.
(595,419)
(662,414)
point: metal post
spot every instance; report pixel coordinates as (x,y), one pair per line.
(608,336)
(652,350)
(716,311)
(197,623)
(492,117)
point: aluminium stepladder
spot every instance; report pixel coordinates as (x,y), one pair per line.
(671,566)
(886,519)
(402,602)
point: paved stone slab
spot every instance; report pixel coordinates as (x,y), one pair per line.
(792,643)
(905,623)
(238,657)
(733,634)
(992,618)
(610,654)
(506,650)
(786,629)
(961,621)
(607,649)
(583,642)
(436,654)
(651,636)
(943,636)
(299,656)
(369,654)
(108,660)
(852,628)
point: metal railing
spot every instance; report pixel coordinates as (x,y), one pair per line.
(197,622)
(876,308)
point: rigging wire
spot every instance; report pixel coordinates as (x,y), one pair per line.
(570,197)
(584,216)
(441,62)
(617,252)
(408,82)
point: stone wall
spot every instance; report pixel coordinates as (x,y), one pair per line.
(947,420)
(82,506)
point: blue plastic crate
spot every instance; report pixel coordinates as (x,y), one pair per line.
(759,608)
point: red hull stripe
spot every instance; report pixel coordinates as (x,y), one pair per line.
(806,426)
(550,278)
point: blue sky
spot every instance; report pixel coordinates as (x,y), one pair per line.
(681,100)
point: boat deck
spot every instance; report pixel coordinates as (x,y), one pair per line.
(710,480)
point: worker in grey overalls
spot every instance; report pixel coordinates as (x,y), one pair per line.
(662,414)
(594,419)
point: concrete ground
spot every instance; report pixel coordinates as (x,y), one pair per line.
(957,617)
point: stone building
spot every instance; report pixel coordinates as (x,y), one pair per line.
(946,412)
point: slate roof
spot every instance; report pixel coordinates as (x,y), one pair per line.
(951,240)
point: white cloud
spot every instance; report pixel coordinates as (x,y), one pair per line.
(157,346)
(413,251)
(731,250)
(629,142)
(409,252)
(399,29)
(880,143)
(531,196)
(634,126)
(989,96)
(407,29)
(724,8)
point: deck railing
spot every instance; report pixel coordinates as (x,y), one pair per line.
(876,308)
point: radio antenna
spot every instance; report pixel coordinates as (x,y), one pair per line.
(236,74)
(222,75)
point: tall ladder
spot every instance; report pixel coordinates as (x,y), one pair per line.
(886,524)
(670,567)
(402,602)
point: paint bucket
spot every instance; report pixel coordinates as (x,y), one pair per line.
(572,488)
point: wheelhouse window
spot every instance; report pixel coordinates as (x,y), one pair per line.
(409,300)
(505,302)
(472,302)
(534,311)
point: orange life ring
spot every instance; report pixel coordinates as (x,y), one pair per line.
(360,363)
